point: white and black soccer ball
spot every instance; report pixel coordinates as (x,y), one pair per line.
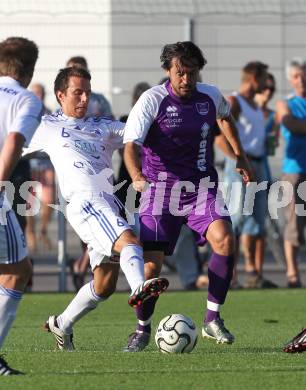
(176,333)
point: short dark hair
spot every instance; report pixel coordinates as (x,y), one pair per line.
(78,61)
(270,83)
(139,89)
(271,78)
(62,79)
(187,52)
(18,57)
(255,68)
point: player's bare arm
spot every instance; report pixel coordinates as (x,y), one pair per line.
(131,156)
(10,154)
(235,107)
(284,116)
(228,128)
(224,146)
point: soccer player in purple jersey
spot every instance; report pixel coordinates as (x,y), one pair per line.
(173,125)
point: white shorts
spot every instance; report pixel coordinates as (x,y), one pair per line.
(13,247)
(98,223)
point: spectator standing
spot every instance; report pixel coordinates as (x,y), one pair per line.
(291,114)
(274,236)
(250,122)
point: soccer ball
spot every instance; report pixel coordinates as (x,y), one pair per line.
(176,333)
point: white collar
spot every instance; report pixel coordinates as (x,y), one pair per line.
(9,80)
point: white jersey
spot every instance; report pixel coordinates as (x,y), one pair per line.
(80,151)
(20,110)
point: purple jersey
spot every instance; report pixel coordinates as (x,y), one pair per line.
(176,134)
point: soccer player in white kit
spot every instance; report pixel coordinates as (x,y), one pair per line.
(20,114)
(81,148)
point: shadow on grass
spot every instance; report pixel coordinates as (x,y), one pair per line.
(247,350)
(188,371)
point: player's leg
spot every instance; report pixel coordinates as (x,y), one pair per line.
(293,231)
(110,233)
(13,279)
(253,233)
(104,231)
(158,234)
(132,265)
(140,338)
(15,272)
(88,297)
(220,270)
(248,243)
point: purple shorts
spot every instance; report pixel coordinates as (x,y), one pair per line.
(163,214)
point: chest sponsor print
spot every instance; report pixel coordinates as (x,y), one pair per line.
(201,162)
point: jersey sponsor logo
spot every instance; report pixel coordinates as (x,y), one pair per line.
(202,108)
(205,129)
(172,122)
(171,109)
(201,162)
(85,146)
(11,91)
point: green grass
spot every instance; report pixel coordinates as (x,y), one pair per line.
(261,321)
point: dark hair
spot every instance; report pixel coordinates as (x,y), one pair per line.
(77,61)
(62,79)
(270,77)
(256,68)
(187,52)
(18,57)
(139,89)
(270,83)
(163,80)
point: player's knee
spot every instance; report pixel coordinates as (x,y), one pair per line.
(132,239)
(126,238)
(225,244)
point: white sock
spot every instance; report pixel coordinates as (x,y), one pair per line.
(213,306)
(9,301)
(85,301)
(132,264)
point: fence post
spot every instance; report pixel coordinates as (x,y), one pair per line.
(189,29)
(62,245)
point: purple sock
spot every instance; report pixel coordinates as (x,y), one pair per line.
(144,313)
(220,272)
(211,315)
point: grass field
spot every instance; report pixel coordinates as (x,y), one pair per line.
(261,321)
